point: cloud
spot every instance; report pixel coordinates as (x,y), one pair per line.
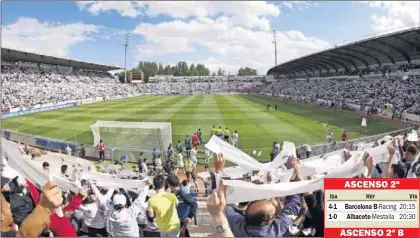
(299,5)
(398,15)
(29,34)
(247,13)
(124,8)
(221,43)
(222,34)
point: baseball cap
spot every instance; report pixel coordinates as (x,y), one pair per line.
(119,199)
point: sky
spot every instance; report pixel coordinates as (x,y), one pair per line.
(226,35)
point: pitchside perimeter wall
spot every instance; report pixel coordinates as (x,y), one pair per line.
(91,153)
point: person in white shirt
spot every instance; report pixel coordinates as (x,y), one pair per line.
(209,156)
(414,171)
(144,167)
(185,186)
(64,172)
(308,150)
(119,219)
(180,163)
(93,217)
(235,139)
(194,158)
(330,136)
(68,149)
(158,163)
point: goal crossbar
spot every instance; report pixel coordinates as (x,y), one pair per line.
(139,135)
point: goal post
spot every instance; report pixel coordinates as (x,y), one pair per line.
(144,136)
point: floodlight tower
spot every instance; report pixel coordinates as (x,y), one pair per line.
(127,36)
(275,47)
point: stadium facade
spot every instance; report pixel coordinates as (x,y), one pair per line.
(11,55)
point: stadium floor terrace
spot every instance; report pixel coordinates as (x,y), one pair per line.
(257,127)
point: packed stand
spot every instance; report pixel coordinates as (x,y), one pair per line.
(372,92)
(159,208)
(23,87)
(29,86)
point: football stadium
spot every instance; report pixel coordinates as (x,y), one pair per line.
(188,150)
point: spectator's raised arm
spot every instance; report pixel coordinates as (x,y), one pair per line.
(391,151)
(216,207)
(103,200)
(38,220)
(140,203)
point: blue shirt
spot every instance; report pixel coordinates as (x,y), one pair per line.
(187,206)
(278,228)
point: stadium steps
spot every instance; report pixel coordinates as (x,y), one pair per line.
(204,227)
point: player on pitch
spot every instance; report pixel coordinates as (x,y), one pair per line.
(195,141)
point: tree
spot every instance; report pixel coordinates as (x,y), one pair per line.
(220,72)
(202,70)
(161,70)
(181,68)
(213,74)
(121,76)
(168,70)
(247,72)
(193,70)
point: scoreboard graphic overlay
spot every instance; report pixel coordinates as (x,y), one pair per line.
(371,207)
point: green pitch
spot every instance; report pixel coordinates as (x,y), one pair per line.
(256,126)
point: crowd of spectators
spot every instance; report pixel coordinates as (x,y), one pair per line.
(24,86)
(31,86)
(302,215)
(161,208)
(377,93)
(165,208)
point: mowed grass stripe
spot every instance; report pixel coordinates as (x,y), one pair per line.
(318,129)
(274,128)
(212,115)
(184,123)
(78,127)
(205,115)
(64,125)
(129,115)
(171,111)
(85,117)
(337,118)
(245,125)
(299,123)
(304,130)
(24,123)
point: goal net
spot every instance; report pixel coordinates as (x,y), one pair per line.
(144,136)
